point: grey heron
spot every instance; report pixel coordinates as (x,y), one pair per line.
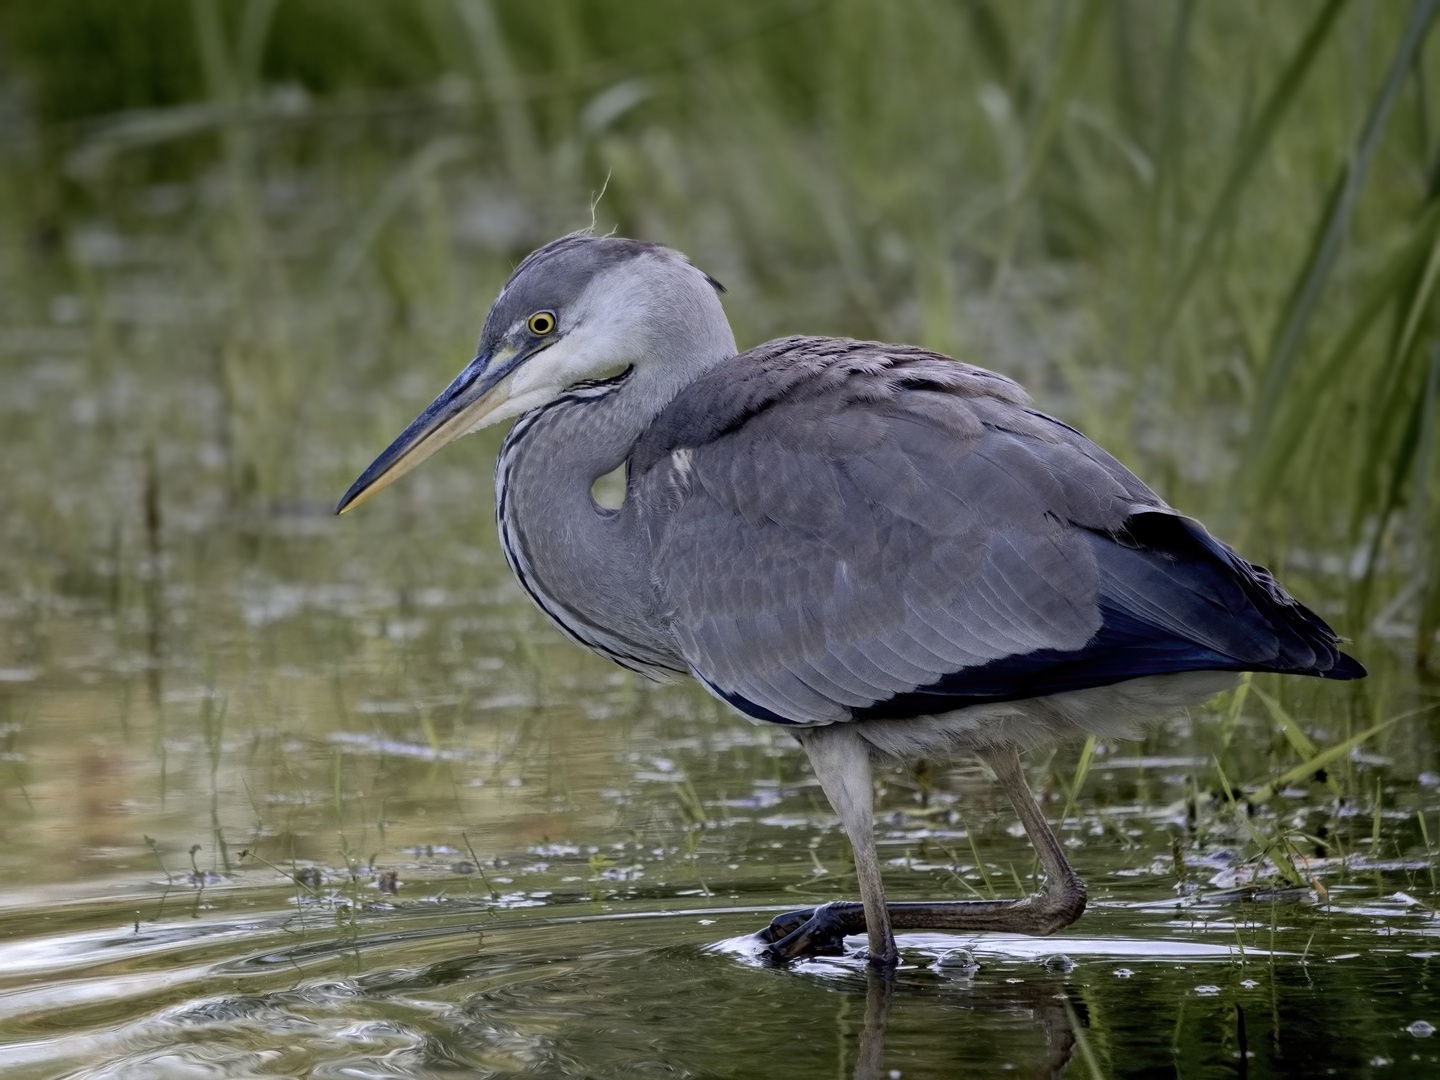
(884,549)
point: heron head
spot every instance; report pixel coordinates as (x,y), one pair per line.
(580,308)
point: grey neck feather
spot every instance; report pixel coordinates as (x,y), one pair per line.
(588,567)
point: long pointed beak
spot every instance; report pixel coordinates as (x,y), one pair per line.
(463,406)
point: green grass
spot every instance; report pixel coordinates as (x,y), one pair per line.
(1207,235)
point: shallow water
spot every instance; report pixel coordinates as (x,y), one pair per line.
(289,795)
(290,808)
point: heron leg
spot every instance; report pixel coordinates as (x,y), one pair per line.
(1061,898)
(841,759)
(819,931)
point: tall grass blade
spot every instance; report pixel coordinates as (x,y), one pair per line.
(1398,461)
(1274,850)
(255,23)
(214,50)
(503,87)
(1423,530)
(1305,295)
(1297,413)
(1251,149)
(1401,462)
(427,161)
(1082,770)
(1082,1042)
(1168,157)
(991,38)
(1267,791)
(1303,744)
(1071,64)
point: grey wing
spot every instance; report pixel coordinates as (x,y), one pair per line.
(885,520)
(849,531)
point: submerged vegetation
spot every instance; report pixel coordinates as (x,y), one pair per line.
(242,242)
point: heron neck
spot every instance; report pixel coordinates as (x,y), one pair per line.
(587,566)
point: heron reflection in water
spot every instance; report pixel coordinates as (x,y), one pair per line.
(883,549)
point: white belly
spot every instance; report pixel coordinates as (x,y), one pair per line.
(1115,711)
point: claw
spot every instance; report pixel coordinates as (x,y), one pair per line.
(812,931)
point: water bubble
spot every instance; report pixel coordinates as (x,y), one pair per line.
(1123,973)
(1059,962)
(957,963)
(1421,1030)
(1207,990)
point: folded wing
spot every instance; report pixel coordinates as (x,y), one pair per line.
(844,530)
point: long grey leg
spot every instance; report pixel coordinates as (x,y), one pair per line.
(1061,899)
(842,762)
(841,759)
(1062,895)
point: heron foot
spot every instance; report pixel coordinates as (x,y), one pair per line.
(817,931)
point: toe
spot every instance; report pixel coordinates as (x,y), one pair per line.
(814,938)
(821,934)
(784,926)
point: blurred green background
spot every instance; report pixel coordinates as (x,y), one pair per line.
(1209,235)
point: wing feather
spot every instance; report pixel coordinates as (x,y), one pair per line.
(868,530)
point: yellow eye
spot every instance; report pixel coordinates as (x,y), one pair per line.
(541,323)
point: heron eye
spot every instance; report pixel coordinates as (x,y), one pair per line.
(541,323)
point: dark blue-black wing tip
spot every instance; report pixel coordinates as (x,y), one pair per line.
(1301,632)
(1346,667)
